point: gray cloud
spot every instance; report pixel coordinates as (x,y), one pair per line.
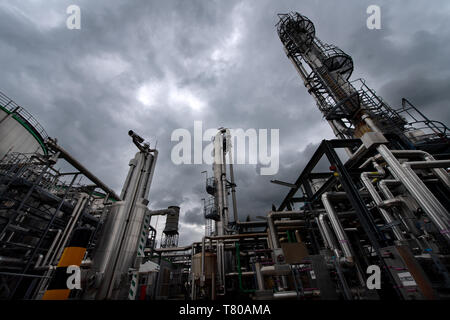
(154,66)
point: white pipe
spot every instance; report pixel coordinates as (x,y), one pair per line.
(365,178)
(336,225)
(426,199)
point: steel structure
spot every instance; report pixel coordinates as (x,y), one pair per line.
(381,204)
(386,205)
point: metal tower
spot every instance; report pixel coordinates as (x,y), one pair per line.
(350,107)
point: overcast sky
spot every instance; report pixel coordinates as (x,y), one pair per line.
(155,66)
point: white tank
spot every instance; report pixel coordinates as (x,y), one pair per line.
(19,131)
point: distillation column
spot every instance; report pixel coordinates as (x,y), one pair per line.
(117,253)
(421,187)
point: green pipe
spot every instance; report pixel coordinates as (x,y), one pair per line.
(238,257)
(289,236)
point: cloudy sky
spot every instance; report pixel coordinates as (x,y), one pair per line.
(155,66)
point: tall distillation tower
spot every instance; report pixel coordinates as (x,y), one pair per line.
(351,108)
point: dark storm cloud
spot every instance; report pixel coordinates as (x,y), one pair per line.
(155,66)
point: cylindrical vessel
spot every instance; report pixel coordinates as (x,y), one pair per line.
(19,131)
(172,221)
(210,265)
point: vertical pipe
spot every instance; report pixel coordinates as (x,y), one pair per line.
(337,227)
(377,198)
(259,277)
(202,278)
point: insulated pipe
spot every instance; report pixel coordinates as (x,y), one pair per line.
(441,174)
(163,212)
(272,229)
(38,261)
(47,255)
(259,277)
(193,278)
(297,236)
(326,235)
(365,178)
(383,185)
(358,152)
(285,295)
(368,120)
(436,166)
(336,224)
(79,207)
(418,190)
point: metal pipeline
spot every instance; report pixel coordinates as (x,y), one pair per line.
(4,259)
(440,173)
(203,263)
(77,165)
(259,277)
(326,235)
(47,255)
(365,178)
(336,224)
(426,199)
(383,185)
(162,212)
(272,228)
(79,207)
(193,278)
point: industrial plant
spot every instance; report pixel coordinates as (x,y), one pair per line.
(366,219)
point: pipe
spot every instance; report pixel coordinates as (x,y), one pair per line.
(270,221)
(440,173)
(203,263)
(245,273)
(383,185)
(290,223)
(418,190)
(47,255)
(4,259)
(238,258)
(193,277)
(365,178)
(368,120)
(297,236)
(163,212)
(38,260)
(285,295)
(336,224)
(326,234)
(259,277)
(77,165)
(69,228)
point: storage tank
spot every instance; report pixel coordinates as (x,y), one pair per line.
(172,221)
(210,265)
(19,131)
